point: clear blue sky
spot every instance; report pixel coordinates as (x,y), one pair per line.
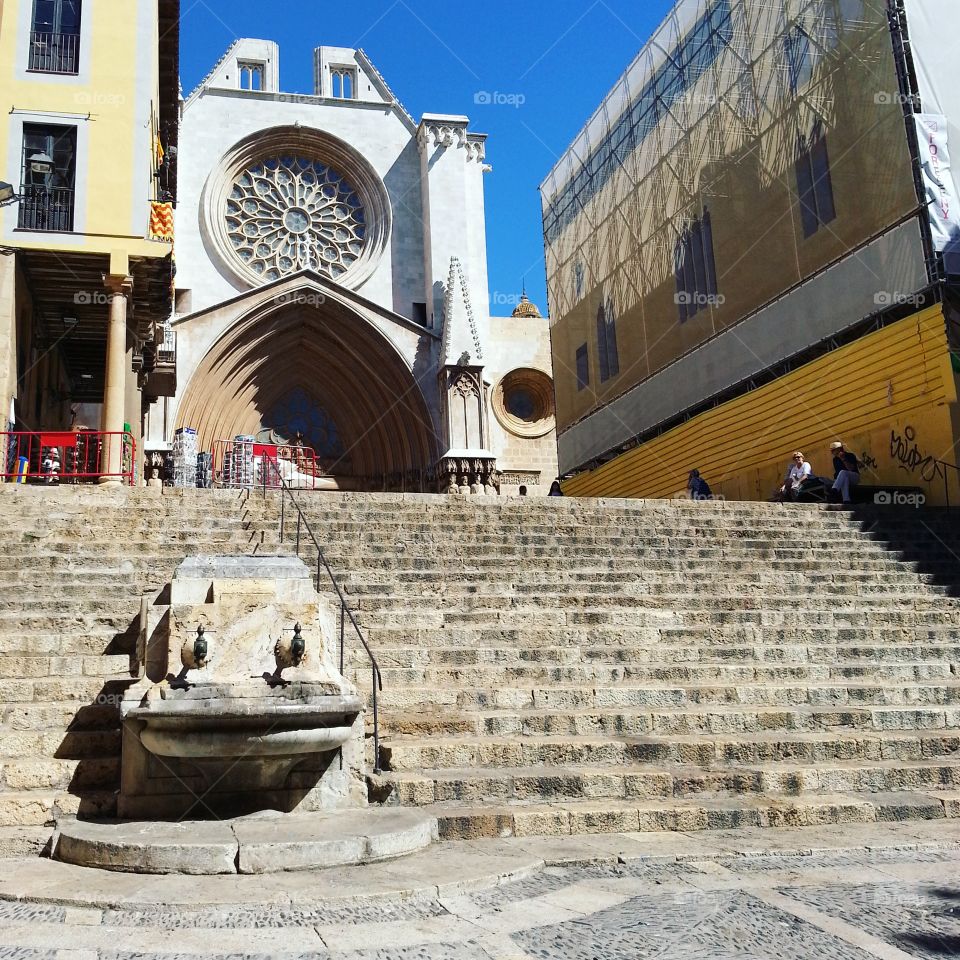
(556,59)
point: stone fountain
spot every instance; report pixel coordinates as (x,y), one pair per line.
(243,746)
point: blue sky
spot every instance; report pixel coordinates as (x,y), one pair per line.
(553,61)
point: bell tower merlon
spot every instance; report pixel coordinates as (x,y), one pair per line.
(342,73)
(249,65)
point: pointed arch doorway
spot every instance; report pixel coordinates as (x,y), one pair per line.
(326,372)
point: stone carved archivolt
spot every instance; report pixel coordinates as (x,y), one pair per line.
(293,198)
(292,213)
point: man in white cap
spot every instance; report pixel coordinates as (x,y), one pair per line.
(846,471)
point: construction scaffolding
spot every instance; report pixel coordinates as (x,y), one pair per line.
(750,144)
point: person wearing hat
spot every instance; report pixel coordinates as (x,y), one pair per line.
(798,473)
(846,471)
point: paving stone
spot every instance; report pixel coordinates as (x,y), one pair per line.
(724,925)
(923,921)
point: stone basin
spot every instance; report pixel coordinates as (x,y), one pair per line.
(222,721)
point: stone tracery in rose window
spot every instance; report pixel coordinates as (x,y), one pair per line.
(287,214)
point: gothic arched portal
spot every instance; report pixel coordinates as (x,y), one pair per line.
(322,370)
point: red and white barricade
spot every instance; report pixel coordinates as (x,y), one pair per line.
(245,463)
(67,456)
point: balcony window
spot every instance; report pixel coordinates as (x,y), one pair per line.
(55,36)
(48,178)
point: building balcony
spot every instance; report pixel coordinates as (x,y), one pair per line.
(54,52)
(46,208)
(157,363)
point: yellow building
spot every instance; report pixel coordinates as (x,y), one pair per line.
(89,96)
(753,247)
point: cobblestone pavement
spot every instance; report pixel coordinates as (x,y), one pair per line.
(717,899)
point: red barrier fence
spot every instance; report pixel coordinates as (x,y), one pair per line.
(241,464)
(67,456)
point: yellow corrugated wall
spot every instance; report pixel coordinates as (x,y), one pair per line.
(887,397)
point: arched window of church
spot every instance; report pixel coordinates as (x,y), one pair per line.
(299,412)
(250,75)
(342,83)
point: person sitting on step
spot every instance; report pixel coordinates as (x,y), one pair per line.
(846,472)
(798,473)
(697,487)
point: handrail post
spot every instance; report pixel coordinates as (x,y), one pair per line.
(345,611)
(376,724)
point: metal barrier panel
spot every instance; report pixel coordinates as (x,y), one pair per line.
(244,464)
(67,456)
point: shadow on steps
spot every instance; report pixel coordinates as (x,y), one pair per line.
(927,538)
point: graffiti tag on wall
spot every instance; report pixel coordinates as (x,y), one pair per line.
(906,453)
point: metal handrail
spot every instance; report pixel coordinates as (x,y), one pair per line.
(304,523)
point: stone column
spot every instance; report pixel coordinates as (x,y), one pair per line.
(119,288)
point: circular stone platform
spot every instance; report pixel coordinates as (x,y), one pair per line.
(262,843)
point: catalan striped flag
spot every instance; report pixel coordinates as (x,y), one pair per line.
(161,221)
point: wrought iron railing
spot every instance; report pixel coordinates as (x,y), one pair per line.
(303,526)
(54,52)
(46,208)
(167,349)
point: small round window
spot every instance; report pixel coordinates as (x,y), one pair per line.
(520,404)
(523,402)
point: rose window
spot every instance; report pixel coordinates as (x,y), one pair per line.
(287,214)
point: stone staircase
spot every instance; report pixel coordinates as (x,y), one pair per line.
(550,666)
(74,562)
(561,666)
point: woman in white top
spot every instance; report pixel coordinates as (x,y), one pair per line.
(798,472)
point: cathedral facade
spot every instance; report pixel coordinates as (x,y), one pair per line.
(332,290)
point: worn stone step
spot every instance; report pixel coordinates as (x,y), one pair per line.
(79,690)
(665,634)
(518,819)
(78,775)
(764,747)
(609,747)
(653,663)
(473,702)
(59,744)
(38,807)
(27,666)
(595,674)
(642,782)
(450,590)
(63,718)
(505,601)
